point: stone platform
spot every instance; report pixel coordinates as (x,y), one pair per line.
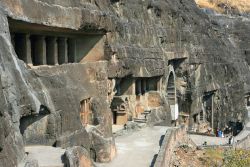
(46,156)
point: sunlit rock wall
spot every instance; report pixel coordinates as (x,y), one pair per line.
(141,39)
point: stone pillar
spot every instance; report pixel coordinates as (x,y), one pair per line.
(28,49)
(12,36)
(159,84)
(212,114)
(52,51)
(147,84)
(72,50)
(138,87)
(144,86)
(62,50)
(23,47)
(133,87)
(199,117)
(39,56)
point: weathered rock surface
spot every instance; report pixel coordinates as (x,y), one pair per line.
(78,156)
(41,105)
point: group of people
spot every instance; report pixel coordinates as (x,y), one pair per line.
(233,129)
(219,133)
(228,132)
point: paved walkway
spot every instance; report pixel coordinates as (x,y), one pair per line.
(116,128)
(137,149)
(200,139)
(47,156)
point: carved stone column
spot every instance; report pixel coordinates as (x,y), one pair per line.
(138,87)
(62,50)
(144,88)
(52,51)
(39,56)
(72,50)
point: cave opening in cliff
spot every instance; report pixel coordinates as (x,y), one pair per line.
(208,109)
(38,44)
(124,86)
(144,85)
(119,111)
(247,100)
(86,114)
(119,108)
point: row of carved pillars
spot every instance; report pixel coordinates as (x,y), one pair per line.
(143,85)
(44,50)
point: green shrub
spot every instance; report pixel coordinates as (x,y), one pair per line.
(236,158)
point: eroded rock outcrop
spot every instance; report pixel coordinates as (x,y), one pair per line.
(133,50)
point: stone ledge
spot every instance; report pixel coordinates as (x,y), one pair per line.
(171,139)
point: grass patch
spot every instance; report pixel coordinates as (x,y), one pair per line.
(237,158)
(213,157)
(226,158)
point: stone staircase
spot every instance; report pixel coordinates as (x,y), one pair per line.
(171,92)
(142,118)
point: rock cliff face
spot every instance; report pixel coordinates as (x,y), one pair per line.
(144,39)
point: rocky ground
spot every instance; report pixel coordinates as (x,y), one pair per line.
(189,156)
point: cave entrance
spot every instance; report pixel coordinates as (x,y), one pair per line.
(247,100)
(86,114)
(124,88)
(38,44)
(171,96)
(207,113)
(119,111)
(144,85)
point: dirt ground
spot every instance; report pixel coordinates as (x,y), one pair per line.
(186,156)
(189,156)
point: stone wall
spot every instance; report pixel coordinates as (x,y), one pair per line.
(140,40)
(42,105)
(172,138)
(244,143)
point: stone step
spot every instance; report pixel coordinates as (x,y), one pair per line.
(146,112)
(171,96)
(142,117)
(138,120)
